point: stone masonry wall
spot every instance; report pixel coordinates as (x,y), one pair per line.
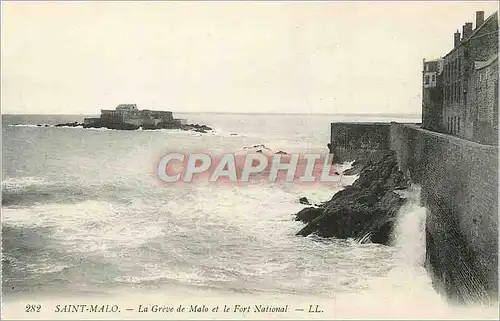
(459,181)
(352,141)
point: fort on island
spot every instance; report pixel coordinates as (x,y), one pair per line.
(128,116)
(453,156)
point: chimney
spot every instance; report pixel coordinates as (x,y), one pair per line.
(466,30)
(479,18)
(457,38)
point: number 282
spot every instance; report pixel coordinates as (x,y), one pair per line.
(33,307)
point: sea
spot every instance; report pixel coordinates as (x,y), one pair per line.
(86,221)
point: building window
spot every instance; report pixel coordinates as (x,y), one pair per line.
(426,80)
(433,78)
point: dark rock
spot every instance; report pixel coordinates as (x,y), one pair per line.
(195,127)
(368,207)
(150,127)
(304,200)
(74,124)
(355,169)
(234,134)
(124,126)
(112,125)
(308,214)
(257,146)
(281,153)
(39,125)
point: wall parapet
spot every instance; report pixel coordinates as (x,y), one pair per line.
(355,140)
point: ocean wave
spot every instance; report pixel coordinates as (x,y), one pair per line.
(28,191)
(27,194)
(17,183)
(79,127)
(29,125)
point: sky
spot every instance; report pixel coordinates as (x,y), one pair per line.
(267,57)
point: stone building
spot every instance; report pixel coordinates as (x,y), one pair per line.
(483,114)
(129,114)
(463,102)
(432,103)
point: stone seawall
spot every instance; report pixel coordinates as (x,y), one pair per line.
(459,181)
(351,141)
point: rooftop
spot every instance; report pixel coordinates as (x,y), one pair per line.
(475,31)
(483,64)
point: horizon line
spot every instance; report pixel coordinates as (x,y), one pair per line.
(230,113)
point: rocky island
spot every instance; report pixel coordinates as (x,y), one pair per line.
(365,210)
(129,117)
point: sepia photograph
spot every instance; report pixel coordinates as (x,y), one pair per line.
(249,160)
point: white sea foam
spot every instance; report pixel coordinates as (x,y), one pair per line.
(19,183)
(26,125)
(89,226)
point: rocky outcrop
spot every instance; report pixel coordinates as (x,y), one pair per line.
(74,124)
(175,125)
(365,210)
(304,200)
(126,126)
(257,146)
(308,214)
(112,125)
(355,169)
(196,128)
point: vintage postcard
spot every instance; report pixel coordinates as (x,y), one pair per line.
(249,160)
